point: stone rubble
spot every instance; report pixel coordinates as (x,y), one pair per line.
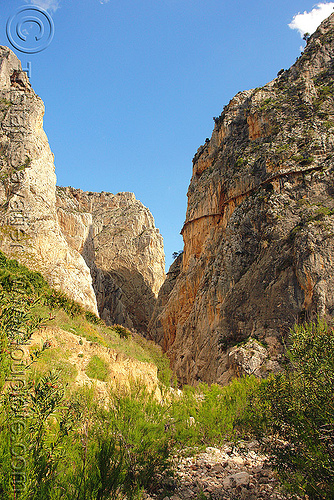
(232,472)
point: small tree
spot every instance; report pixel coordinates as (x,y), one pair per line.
(176,254)
(306,37)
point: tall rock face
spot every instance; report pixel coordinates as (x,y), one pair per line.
(259,230)
(117,237)
(102,249)
(29,228)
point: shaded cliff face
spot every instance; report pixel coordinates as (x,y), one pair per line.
(258,237)
(29,228)
(118,239)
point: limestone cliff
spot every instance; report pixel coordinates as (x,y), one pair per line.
(77,240)
(118,239)
(258,236)
(29,228)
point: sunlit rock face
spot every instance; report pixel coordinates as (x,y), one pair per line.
(258,236)
(103,250)
(117,237)
(30,231)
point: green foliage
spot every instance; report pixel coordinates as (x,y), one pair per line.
(324,88)
(55,358)
(241,162)
(57,299)
(97,368)
(138,422)
(266,103)
(92,318)
(76,447)
(123,332)
(160,359)
(47,419)
(303,159)
(79,449)
(295,408)
(207,415)
(17,278)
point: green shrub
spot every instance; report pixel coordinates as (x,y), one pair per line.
(74,448)
(115,451)
(56,299)
(139,425)
(48,419)
(54,358)
(123,332)
(97,368)
(214,411)
(15,277)
(92,318)
(295,408)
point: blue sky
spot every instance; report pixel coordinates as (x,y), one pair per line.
(130,87)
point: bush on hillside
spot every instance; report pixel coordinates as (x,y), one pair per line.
(294,410)
(93,318)
(206,415)
(123,332)
(16,277)
(56,299)
(97,368)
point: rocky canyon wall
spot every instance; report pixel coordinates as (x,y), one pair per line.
(259,229)
(102,249)
(29,228)
(117,237)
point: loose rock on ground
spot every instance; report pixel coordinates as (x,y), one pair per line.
(232,472)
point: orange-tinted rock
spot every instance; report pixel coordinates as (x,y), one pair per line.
(258,236)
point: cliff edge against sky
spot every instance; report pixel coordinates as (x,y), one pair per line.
(103,250)
(258,235)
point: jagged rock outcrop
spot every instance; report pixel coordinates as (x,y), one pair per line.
(258,236)
(118,239)
(74,237)
(29,228)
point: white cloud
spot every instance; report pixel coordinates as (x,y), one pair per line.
(104,1)
(50,5)
(309,21)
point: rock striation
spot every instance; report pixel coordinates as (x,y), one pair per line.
(102,249)
(117,237)
(258,236)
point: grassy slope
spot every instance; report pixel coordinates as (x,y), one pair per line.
(61,313)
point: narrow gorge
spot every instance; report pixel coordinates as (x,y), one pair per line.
(258,235)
